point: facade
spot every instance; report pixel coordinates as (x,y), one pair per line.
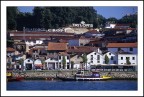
(38,64)
(56,62)
(123,57)
(28,64)
(78,42)
(126,47)
(94,58)
(93,33)
(10,51)
(112,58)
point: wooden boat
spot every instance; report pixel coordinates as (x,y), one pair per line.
(81,77)
(11,78)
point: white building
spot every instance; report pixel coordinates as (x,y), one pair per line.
(112,58)
(38,64)
(94,58)
(126,47)
(110,25)
(28,64)
(56,61)
(122,58)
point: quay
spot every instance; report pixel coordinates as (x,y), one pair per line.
(51,74)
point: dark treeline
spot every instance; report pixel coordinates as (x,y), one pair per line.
(55,17)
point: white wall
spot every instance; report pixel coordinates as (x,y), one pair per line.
(123,62)
(94,59)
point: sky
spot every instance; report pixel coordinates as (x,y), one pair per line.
(106,11)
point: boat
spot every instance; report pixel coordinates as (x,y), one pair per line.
(10,77)
(79,76)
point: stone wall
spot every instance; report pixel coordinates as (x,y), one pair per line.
(52,74)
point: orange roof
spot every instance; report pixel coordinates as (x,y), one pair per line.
(81,49)
(57,46)
(9,49)
(112,45)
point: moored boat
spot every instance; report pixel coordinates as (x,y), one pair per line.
(95,76)
(11,78)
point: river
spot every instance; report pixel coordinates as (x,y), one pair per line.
(73,85)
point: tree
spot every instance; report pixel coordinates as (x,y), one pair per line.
(64,62)
(112,20)
(129,19)
(72,64)
(106,59)
(128,61)
(84,58)
(11,17)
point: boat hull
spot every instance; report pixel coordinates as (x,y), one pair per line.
(81,79)
(14,79)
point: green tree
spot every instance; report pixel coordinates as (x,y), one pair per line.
(72,64)
(84,59)
(64,62)
(128,61)
(129,19)
(11,17)
(106,59)
(112,20)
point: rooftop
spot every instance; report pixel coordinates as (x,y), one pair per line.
(57,46)
(9,49)
(112,45)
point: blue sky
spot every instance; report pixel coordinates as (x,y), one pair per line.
(106,11)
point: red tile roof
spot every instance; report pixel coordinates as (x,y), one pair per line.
(113,45)
(81,49)
(10,49)
(57,46)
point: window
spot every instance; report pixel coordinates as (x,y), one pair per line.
(121,58)
(98,57)
(28,60)
(59,57)
(67,57)
(109,53)
(119,49)
(95,53)
(98,61)
(114,62)
(91,61)
(81,44)
(121,63)
(127,58)
(50,58)
(133,58)
(131,49)
(111,57)
(92,56)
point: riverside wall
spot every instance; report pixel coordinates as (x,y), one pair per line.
(53,74)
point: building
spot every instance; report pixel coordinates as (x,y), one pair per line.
(28,64)
(112,58)
(123,57)
(93,33)
(126,47)
(94,58)
(38,64)
(58,61)
(10,51)
(78,41)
